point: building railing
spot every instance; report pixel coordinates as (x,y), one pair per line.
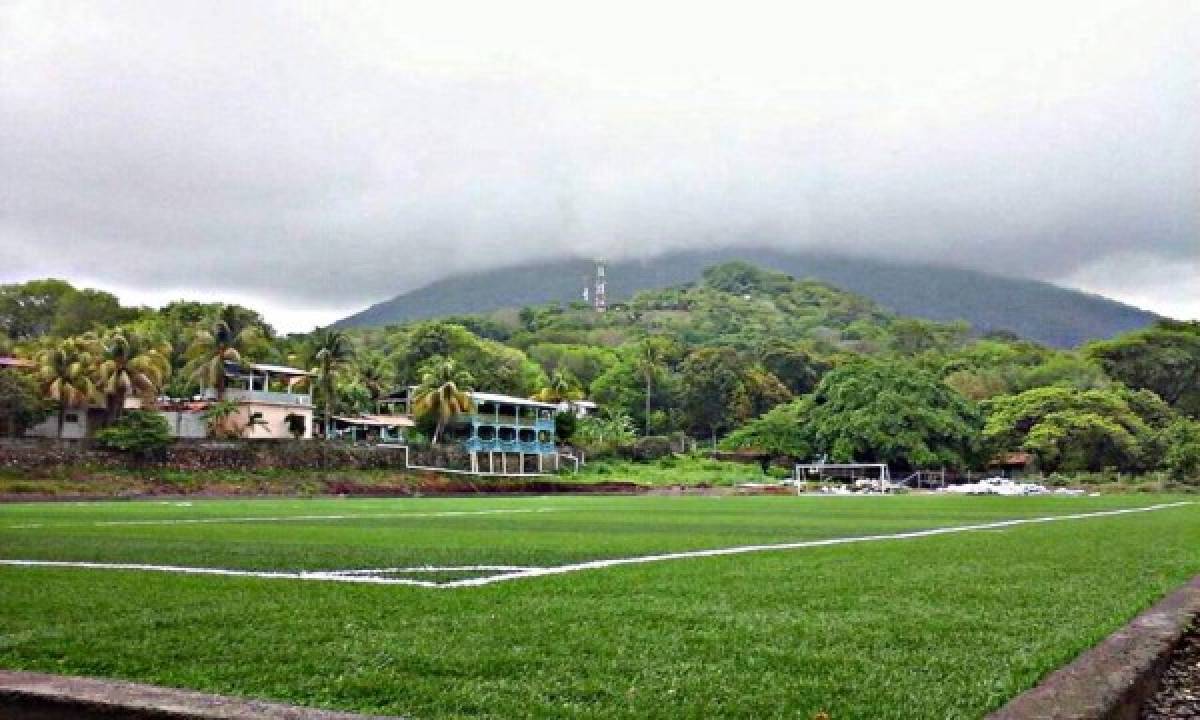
(510,446)
(263,396)
(508,421)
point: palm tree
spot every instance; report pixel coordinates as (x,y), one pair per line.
(130,364)
(440,394)
(211,350)
(375,375)
(218,416)
(332,352)
(561,388)
(648,363)
(66,371)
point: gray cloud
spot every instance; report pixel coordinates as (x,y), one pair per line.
(324,156)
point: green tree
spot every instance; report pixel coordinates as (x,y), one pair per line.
(332,352)
(610,430)
(1072,430)
(795,367)
(67,371)
(130,364)
(375,375)
(648,359)
(891,412)
(140,432)
(219,418)
(781,431)
(28,310)
(1164,359)
(443,393)
(561,388)
(21,403)
(87,310)
(713,392)
(1182,460)
(225,343)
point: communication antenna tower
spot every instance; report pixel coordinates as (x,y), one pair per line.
(600,298)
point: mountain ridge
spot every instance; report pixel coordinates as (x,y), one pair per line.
(1037,310)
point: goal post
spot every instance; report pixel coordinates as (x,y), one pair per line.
(876,474)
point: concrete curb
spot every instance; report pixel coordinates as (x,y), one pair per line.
(1113,679)
(35,696)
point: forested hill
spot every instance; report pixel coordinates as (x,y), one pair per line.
(1039,311)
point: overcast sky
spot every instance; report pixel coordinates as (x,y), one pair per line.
(309,159)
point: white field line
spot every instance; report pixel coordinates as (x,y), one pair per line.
(433,569)
(279,518)
(598,564)
(264,574)
(358,576)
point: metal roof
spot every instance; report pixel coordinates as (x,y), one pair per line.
(510,400)
(377,420)
(280,369)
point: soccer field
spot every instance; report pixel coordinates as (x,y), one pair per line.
(896,607)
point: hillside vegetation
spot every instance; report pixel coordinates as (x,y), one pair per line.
(1039,311)
(747,358)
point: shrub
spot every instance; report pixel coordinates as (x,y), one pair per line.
(564,426)
(646,449)
(779,473)
(139,432)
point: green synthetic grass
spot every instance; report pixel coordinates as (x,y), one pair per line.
(939,627)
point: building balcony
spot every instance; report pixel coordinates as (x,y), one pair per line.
(507,421)
(509,446)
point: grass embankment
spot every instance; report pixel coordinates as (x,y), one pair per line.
(945,627)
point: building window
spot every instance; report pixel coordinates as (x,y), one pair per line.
(71,418)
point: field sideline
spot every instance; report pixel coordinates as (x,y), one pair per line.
(948,624)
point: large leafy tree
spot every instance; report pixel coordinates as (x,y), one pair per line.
(877,411)
(780,431)
(130,363)
(713,391)
(584,362)
(493,366)
(1164,359)
(28,310)
(796,367)
(53,307)
(232,334)
(67,372)
(1072,430)
(1182,460)
(332,354)
(443,393)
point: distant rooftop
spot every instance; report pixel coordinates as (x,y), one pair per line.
(279,369)
(16,362)
(510,400)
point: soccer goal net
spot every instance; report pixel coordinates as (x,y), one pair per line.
(872,476)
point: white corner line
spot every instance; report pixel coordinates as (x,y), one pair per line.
(509,572)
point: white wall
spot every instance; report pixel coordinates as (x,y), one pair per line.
(185,424)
